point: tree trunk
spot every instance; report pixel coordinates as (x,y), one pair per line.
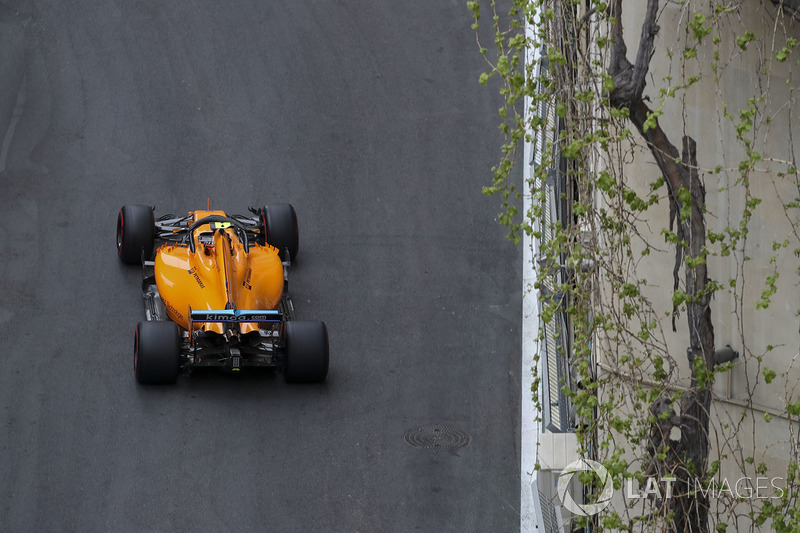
(687,458)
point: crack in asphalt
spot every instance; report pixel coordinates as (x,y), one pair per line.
(19,107)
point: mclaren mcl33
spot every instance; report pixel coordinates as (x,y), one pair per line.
(215,290)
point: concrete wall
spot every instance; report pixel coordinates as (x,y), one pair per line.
(708,111)
(701,113)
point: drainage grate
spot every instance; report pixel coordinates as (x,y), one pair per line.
(436,437)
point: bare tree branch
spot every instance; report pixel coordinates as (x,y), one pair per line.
(629,79)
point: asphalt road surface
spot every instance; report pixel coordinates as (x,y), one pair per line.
(368,117)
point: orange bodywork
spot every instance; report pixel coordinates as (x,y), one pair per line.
(218,275)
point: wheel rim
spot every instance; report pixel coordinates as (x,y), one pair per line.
(264,226)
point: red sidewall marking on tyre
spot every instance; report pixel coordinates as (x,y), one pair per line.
(136,353)
(121,232)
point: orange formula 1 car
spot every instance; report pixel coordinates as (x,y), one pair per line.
(216,294)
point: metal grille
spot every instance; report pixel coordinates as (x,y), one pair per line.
(552,412)
(555,215)
(549,514)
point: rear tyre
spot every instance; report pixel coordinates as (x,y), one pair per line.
(307,351)
(279,224)
(135,232)
(157,353)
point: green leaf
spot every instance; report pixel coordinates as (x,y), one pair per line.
(630,290)
(503,65)
(679,297)
(743,40)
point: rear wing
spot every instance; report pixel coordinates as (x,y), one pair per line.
(234,315)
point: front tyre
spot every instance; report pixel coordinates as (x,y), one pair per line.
(157,353)
(135,232)
(307,351)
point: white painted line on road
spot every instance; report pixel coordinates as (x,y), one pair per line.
(12,126)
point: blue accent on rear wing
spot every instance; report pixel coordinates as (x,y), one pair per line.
(235,315)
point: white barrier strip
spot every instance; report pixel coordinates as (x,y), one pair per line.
(530,512)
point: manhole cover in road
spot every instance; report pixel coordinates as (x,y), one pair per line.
(436,437)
